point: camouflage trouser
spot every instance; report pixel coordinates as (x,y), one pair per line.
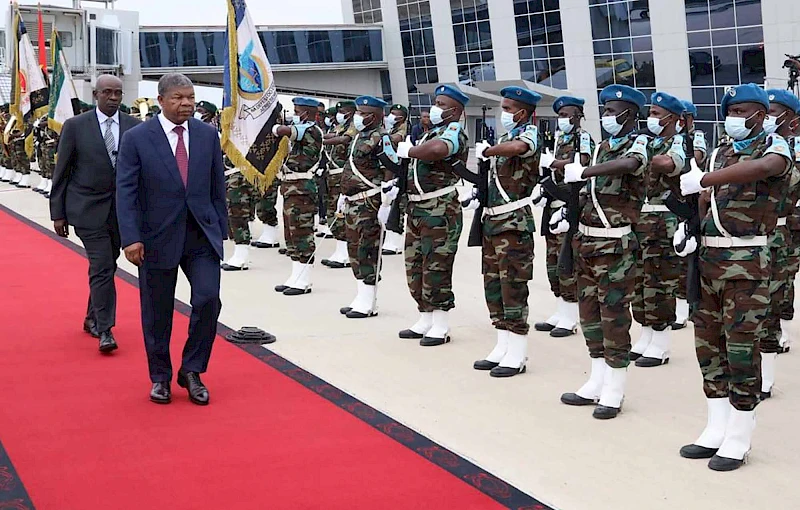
(562,286)
(267,207)
(363,232)
(334,189)
(22,163)
(777,294)
(298,226)
(683,268)
(507,269)
(48,162)
(241,197)
(431,246)
(606,288)
(727,325)
(792,268)
(657,282)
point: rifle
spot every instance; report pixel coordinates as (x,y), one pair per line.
(399,168)
(569,194)
(481,181)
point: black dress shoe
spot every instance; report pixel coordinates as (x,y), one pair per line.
(784,350)
(718,463)
(46,195)
(107,342)
(766,394)
(161,393)
(650,362)
(344,310)
(506,371)
(291,291)
(337,265)
(605,413)
(228,267)
(281,288)
(678,325)
(325,262)
(573,399)
(428,341)
(259,244)
(198,393)
(410,334)
(483,364)
(352,314)
(282,251)
(693,451)
(90,326)
(561,332)
(390,252)
(634,356)
(543,326)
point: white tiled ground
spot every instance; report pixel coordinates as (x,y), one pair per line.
(515,428)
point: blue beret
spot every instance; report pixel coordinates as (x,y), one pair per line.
(563,101)
(667,102)
(371,101)
(785,98)
(749,93)
(522,95)
(689,108)
(452,92)
(622,93)
(305,101)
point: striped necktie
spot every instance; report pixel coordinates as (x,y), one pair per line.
(111,145)
(181,156)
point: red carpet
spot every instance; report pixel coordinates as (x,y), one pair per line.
(81,433)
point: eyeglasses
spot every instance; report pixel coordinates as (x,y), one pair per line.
(111,93)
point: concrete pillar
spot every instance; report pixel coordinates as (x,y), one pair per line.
(670,48)
(579,57)
(504,39)
(442,21)
(393,51)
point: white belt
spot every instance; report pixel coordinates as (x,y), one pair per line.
(363,195)
(335,171)
(432,194)
(733,242)
(781,222)
(611,233)
(654,208)
(231,172)
(555,204)
(297,176)
(506,208)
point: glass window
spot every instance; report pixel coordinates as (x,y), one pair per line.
(473,38)
(748,12)
(696,14)
(723,37)
(699,39)
(599,19)
(722,14)
(539,36)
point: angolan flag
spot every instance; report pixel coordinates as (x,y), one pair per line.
(64,102)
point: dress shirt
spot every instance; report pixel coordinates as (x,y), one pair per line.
(102,118)
(172,136)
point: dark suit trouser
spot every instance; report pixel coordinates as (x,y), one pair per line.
(200,264)
(102,249)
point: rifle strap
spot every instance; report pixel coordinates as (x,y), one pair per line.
(355,171)
(714,208)
(593,187)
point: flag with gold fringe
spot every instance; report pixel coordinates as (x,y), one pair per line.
(29,90)
(250,102)
(64,102)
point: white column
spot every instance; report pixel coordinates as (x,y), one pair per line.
(393,51)
(442,21)
(576,28)
(347,12)
(781,20)
(504,39)
(670,48)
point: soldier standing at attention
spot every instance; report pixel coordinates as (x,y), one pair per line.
(780,120)
(6,166)
(571,139)
(267,211)
(747,177)
(606,248)
(299,192)
(22,163)
(338,143)
(434,216)
(658,266)
(508,228)
(787,310)
(397,125)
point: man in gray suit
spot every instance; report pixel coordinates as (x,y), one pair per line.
(83,196)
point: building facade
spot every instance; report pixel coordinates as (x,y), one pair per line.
(694,49)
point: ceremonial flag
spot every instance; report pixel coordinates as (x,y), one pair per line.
(42,53)
(64,100)
(29,91)
(250,102)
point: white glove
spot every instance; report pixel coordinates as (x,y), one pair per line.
(480,148)
(573,172)
(319,172)
(341,204)
(546,159)
(389,191)
(383,214)
(690,181)
(471,200)
(558,222)
(537,197)
(679,237)
(404,147)
(275,129)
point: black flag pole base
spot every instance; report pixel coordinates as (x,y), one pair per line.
(250,335)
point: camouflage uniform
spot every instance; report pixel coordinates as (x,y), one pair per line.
(21,162)
(793,222)
(606,267)
(734,290)
(507,264)
(658,267)
(434,224)
(48,148)
(698,144)
(336,163)
(363,230)
(267,206)
(561,285)
(300,194)
(241,197)
(6,160)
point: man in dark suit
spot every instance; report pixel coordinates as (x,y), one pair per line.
(171,210)
(83,196)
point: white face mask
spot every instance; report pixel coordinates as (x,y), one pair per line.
(654,125)
(358,122)
(296,120)
(340,118)
(771,124)
(611,124)
(328,121)
(507,120)
(565,125)
(198,116)
(437,115)
(678,127)
(736,127)
(390,121)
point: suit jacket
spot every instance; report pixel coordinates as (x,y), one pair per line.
(152,202)
(83,180)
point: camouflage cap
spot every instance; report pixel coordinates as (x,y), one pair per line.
(207,106)
(345,104)
(399,107)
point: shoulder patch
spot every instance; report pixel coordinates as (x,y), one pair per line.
(777,145)
(530,135)
(388,149)
(586,143)
(300,129)
(451,135)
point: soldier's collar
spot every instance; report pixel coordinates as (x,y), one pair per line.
(616,143)
(748,146)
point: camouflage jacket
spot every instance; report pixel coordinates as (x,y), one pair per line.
(619,196)
(399,132)
(565,147)
(660,226)
(429,176)
(366,148)
(794,191)
(305,154)
(745,210)
(513,179)
(338,154)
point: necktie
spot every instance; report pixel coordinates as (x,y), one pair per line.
(181,156)
(111,145)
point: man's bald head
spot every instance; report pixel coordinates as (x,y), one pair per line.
(108,94)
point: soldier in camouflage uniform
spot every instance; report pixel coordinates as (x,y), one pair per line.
(570,141)
(46,155)
(21,161)
(299,192)
(780,120)
(606,248)
(793,264)
(397,125)
(267,211)
(658,266)
(7,171)
(747,178)
(508,228)
(434,222)
(337,144)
